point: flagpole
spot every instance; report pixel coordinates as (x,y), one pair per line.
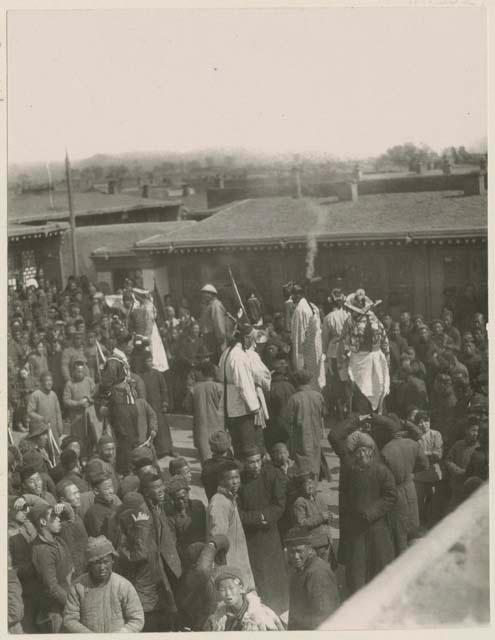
(71,215)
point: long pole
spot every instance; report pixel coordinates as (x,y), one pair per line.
(72,216)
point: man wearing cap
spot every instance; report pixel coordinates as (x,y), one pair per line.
(261,504)
(314,593)
(238,610)
(117,400)
(71,470)
(101,601)
(307,350)
(332,327)
(53,563)
(404,457)
(32,484)
(213,321)
(188,517)
(78,397)
(101,511)
(104,460)
(43,406)
(223,518)
(367,496)
(71,354)
(240,399)
(220,445)
(73,530)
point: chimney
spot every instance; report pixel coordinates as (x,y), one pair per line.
(474,184)
(111,187)
(346,191)
(145,191)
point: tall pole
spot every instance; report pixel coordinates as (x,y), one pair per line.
(72,216)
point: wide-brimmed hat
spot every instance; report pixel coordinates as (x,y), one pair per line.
(36,428)
(209,288)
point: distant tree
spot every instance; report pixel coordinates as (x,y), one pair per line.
(408,154)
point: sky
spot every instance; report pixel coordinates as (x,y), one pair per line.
(345,82)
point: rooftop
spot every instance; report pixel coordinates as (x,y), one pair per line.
(19,231)
(28,207)
(119,239)
(274,220)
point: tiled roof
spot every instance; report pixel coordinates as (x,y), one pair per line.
(272,220)
(32,207)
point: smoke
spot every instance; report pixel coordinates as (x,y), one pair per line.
(311,242)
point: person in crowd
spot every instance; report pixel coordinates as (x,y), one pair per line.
(404,457)
(281,389)
(451,331)
(102,601)
(37,449)
(311,511)
(138,554)
(71,470)
(261,501)
(406,325)
(187,517)
(238,610)
(180,467)
(117,400)
(71,354)
(158,398)
(167,557)
(196,594)
(32,484)
(78,398)
(213,321)
(367,497)
(73,530)
(43,405)
(15,604)
(240,399)
(431,444)
(104,460)
(307,350)
(458,458)
(443,408)
(314,593)
(37,361)
(221,450)
(223,518)
(304,417)
(53,563)
(206,406)
(478,465)
(332,327)
(96,519)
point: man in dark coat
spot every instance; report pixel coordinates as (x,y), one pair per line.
(117,399)
(188,518)
(367,495)
(314,593)
(261,504)
(404,457)
(97,517)
(220,445)
(157,397)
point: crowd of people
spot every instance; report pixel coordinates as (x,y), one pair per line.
(103,533)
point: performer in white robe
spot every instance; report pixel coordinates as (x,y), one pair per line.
(307,352)
(365,342)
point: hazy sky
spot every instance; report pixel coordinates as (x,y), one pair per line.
(342,81)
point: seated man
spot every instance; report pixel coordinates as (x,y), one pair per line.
(101,601)
(238,611)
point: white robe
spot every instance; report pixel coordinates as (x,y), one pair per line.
(307,352)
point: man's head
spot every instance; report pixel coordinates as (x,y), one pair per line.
(362,449)
(395,330)
(422,420)
(45,519)
(18,509)
(447,318)
(472,429)
(153,489)
(220,442)
(229,584)
(180,466)
(70,461)
(77,339)
(437,327)
(70,493)
(31,479)
(73,443)
(46,381)
(178,489)
(302,377)
(208,293)
(100,556)
(252,461)
(279,454)
(148,361)
(424,333)
(387,321)
(297,293)
(143,466)
(106,449)
(299,549)
(78,371)
(405,318)
(103,488)
(229,477)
